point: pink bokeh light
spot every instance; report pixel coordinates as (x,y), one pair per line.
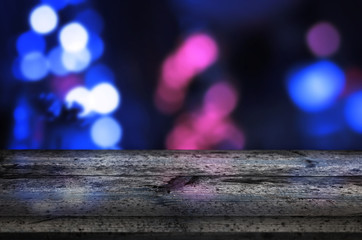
(323,39)
(198,51)
(210,126)
(220,99)
(194,56)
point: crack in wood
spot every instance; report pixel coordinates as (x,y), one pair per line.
(177,183)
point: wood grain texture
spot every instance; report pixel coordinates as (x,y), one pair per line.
(180,191)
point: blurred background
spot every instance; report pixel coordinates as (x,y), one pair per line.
(180,74)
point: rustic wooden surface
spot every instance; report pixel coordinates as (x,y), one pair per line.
(194,192)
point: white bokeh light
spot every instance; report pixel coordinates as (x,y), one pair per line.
(73,37)
(43,19)
(76,61)
(79,95)
(106,132)
(104,98)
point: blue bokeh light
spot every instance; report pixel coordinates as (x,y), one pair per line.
(30,42)
(106,132)
(56,4)
(97,74)
(77,61)
(34,66)
(43,19)
(317,86)
(55,62)
(21,126)
(95,46)
(91,20)
(353,111)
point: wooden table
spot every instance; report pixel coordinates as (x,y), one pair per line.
(180,194)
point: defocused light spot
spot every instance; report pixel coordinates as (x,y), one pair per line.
(199,51)
(30,42)
(55,62)
(43,19)
(91,20)
(194,56)
(97,74)
(106,132)
(21,121)
(104,98)
(76,61)
(95,46)
(221,99)
(79,96)
(56,4)
(323,39)
(34,66)
(317,86)
(20,112)
(73,37)
(353,111)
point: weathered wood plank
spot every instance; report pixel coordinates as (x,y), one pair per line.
(183,163)
(231,196)
(180,191)
(182,224)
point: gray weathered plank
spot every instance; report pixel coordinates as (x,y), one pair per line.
(187,191)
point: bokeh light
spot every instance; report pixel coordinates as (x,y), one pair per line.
(220,99)
(323,39)
(76,61)
(56,4)
(198,52)
(30,42)
(317,86)
(106,132)
(104,98)
(211,125)
(353,111)
(55,62)
(73,37)
(34,66)
(21,115)
(43,19)
(95,46)
(79,96)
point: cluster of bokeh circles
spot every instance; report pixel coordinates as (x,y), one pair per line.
(322,89)
(65,54)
